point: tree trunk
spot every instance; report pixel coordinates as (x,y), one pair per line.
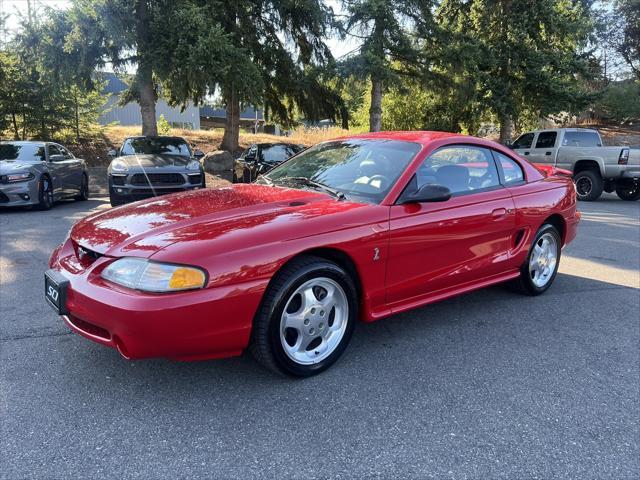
(144,76)
(506,129)
(344,114)
(16,132)
(77,117)
(375,111)
(147,102)
(231,137)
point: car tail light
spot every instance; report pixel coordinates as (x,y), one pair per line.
(623,159)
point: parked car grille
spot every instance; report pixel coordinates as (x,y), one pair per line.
(157,179)
(195,179)
(140,194)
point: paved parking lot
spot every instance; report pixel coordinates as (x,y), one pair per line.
(489,385)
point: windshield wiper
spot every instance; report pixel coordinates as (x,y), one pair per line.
(307,182)
(265,178)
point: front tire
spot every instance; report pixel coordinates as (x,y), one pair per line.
(115,201)
(306,318)
(589,185)
(45,193)
(541,266)
(630,192)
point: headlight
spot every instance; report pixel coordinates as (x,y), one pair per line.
(119,166)
(141,274)
(19,177)
(193,165)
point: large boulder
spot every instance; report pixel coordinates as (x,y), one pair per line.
(219,163)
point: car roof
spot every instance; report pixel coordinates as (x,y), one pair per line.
(24,142)
(168,137)
(566,129)
(419,136)
(273,144)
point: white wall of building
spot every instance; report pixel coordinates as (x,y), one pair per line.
(130,114)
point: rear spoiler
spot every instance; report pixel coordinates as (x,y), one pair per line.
(550,170)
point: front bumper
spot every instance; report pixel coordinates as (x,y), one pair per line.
(131,187)
(19,193)
(210,323)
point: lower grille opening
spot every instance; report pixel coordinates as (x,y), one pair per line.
(3,198)
(90,328)
(138,193)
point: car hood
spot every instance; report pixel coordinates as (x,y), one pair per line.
(144,228)
(155,161)
(12,166)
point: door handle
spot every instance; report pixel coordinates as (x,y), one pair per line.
(499,212)
(526,153)
(547,153)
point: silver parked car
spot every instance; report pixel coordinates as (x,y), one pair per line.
(145,167)
(40,173)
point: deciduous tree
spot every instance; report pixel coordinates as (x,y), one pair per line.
(390,32)
(519,54)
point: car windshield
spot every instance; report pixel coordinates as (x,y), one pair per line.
(361,168)
(278,153)
(30,152)
(156,146)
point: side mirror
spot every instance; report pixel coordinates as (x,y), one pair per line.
(430,192)
(509,145)
(56,158)
(112,153)
(198,154)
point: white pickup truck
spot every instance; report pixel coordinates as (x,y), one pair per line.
(595,168)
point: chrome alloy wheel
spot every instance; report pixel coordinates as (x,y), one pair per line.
(544,258)
(314,320)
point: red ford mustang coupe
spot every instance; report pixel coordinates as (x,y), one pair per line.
(356,228)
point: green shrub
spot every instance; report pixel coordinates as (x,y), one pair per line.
(164,127)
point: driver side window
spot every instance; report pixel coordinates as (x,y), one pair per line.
(462,169)
(65,152)
(53,150)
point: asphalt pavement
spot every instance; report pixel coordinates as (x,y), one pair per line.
(488,385)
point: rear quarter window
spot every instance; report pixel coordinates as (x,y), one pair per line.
(581,139)
(511,171)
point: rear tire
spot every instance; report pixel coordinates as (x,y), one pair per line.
(541,266)
(84,189)
(589,185)
(629,192)
(306,318)
(45,193)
